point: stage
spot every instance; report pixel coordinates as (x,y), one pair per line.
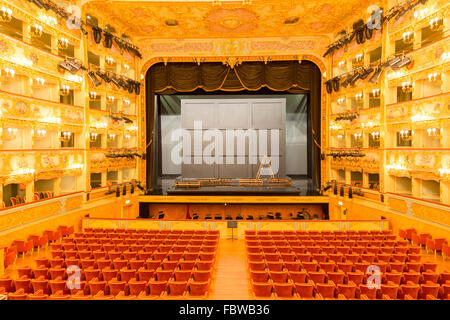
(226,207)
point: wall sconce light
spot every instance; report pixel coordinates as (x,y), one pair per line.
(39,82)
(39,133)
(341,101)
(127,137)
(126,67)
(432,77)
(111,137)
(340,136)
(9,73)
(63,43)
(406,134)
(92,95)
(433,132)
(357,136)
(436,24)
(359,57)
(51,20)
(5,14)
(66,135)
(341,64)
(109,61)
(64,90)
(11,133)
(444,172)
(376,93)
(111,99)
(358,96)
(408,37)
(420,13)
(375,136)
(407,86)
(126,103)
(36,30)
(93,136)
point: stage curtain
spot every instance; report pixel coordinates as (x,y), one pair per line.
(283,76)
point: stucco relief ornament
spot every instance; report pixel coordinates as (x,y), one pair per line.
(3,46)
(34,58)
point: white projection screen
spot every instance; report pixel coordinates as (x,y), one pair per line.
(227,138)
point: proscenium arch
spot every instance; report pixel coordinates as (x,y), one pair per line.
(146,134)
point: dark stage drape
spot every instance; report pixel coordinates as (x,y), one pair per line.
(282,76)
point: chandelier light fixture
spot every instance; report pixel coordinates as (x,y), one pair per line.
(66,135)
(109,61)
(407,86)
(64,90)
(5,14)
(359,57)
(376,93)
(11,133)
(9,73)
(433,77)
(408,37)
(93,136)
(36,30)
(433,132)
(63,43)
(39,82)
(436,24)
(40,133)
(406,134)
(92,95)
(375,136)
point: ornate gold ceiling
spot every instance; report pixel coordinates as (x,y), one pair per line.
(202,19)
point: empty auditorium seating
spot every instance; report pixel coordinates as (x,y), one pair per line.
(117,264)
(344,265)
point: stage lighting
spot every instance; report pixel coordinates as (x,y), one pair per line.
(329,86)
(354,78)
(137,88)
(365,73)
(376,75)
(404,61)
(346,82)
(335,82)
(124,192)
(117,192)
(107,43)
(335,189)
(341,192)
(103,76)
(350,193)
(95,81)
(97,32)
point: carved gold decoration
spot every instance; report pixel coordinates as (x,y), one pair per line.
(398,205)
(73,203)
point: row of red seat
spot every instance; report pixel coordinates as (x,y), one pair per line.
(426,240)
(321,291)
(34,242)
(140,290)
(171,266)
(315,232)
(341,277)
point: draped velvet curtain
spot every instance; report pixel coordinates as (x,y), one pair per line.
(283,76)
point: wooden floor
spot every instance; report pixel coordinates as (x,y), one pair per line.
(231,278)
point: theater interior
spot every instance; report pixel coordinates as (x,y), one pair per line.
(224,150)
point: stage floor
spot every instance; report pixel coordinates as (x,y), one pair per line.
(301,186)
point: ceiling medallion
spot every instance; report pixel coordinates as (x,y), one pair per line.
(291,20)
(231,61)
(171,22)
(231,22)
